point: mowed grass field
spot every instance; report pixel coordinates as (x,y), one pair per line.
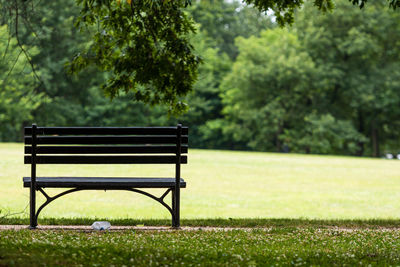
(223,184)
(258,247)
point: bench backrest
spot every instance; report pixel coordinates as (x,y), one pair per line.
(104,145)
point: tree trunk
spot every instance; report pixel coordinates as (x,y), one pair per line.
(277,140)
(360,150)
(360,144)
(278,145)
(375,141)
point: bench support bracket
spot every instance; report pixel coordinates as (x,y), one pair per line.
(50,199)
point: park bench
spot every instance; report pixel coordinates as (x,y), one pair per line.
(106,145)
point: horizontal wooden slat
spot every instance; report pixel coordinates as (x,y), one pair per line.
(92,140)
(105,149)
(106,130)
(105,159)
(103,182)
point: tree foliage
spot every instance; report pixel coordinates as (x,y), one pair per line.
(224,21)
(328,85)
(268,90)
(357,56)
(144,45)
(17,99)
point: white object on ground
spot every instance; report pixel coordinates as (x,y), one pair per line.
(102,225)
(389,156)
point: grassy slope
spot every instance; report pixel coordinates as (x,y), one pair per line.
(227,185)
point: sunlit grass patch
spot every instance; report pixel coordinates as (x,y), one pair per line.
(224,184)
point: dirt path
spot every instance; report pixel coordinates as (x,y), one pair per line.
(122,228)
(87,228)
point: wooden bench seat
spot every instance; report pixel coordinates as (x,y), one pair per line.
(102,182)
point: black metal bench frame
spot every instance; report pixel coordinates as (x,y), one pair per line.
(87,145)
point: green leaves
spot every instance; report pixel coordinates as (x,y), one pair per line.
(268,89)
(324,5)
(327,85)
(145,47)
(17,99)
(394,4)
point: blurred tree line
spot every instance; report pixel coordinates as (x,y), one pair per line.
(330,84)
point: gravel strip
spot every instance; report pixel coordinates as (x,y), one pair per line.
(87,228)
(123,228)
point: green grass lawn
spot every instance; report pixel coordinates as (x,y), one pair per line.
(313,210)
(276,246)
(225,184)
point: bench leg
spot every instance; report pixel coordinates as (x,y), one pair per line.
(175,208)
(32,215)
